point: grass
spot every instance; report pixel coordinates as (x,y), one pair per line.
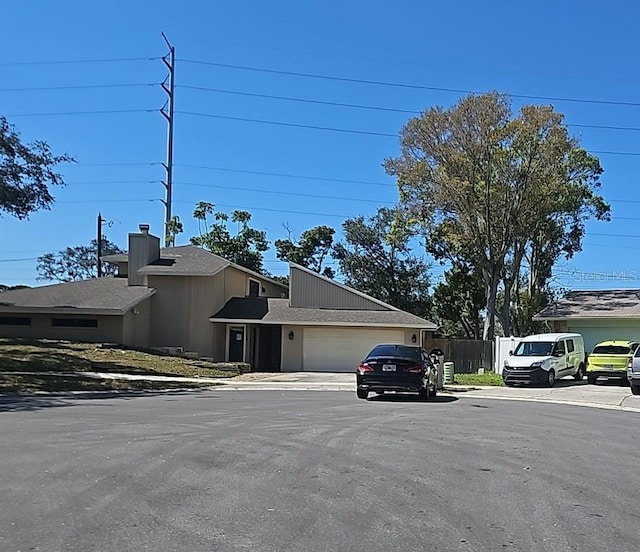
(488,378)
(73,358)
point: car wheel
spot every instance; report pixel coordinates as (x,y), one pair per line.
(551,378)
(591,379)
(362,393)
(580,373)
(424,393)
(635,389)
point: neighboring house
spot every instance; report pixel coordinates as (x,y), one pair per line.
(597,315)
(190,298)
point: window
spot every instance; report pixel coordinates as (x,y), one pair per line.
(533,348)
(612,350)
(15,321)
(570,347)
(254,288)
(559,348)
(74,322)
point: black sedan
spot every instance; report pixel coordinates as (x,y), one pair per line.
(392,367)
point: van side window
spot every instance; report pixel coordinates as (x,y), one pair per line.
(559,348)
(570,347)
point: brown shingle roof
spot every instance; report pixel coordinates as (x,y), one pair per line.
(614,303)
(278,311)
(96,296)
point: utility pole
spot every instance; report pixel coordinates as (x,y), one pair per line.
(167,111)
(99,242)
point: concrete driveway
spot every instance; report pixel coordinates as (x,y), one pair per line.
(565,391)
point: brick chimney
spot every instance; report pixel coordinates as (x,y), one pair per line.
(143,250)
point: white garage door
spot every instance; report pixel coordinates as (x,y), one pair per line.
(340,349)
(593,336)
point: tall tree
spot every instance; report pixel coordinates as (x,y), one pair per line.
(459,300)
(311,251)
(27,171)
(376,258)
(246,247)
(484,182)
(76,263)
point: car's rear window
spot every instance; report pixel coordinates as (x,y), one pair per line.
(402,351)
(612,350)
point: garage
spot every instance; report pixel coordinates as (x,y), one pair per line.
(340,349)
(593,332)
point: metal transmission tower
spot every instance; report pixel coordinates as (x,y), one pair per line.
(167,111)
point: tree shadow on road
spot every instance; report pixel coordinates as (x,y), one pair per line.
(16,402)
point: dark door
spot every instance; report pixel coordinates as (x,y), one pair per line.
(236,345)
(269,349)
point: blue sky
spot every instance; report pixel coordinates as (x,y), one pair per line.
(565,50)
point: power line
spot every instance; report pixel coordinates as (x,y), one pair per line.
(249,208)
(302,100)
(80,87)
(317,196)
(401,85)
(361,106)
(74,61)
(280,123)
(18,260)
(343,130)
(284,175)
(101,182)
(127,164)
(96,112)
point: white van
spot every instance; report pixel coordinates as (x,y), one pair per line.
(544,358)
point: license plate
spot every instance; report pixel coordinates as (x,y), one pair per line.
(388,367)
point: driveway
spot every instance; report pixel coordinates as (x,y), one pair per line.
(565,391)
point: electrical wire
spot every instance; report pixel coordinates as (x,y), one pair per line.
(78,61)
(399,84)
(96,112)
(80,87)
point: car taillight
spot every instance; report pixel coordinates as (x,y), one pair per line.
(364,367)
(414,369)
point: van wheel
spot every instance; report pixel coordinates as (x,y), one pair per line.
(551,378)
(580,373)
(635,389)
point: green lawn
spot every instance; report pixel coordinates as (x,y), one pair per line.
(72,358)
(488,378)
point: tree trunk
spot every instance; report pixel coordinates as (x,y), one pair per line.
(492,281)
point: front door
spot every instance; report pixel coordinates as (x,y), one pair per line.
(236,344)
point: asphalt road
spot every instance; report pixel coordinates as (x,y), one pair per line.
(314,471)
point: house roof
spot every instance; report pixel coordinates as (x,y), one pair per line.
(188,260)
(265,310)
(614,303)
(95,296)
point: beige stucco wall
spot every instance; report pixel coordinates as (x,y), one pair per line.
(109,329)
(291,349)
(137,325)
(181,308)
(237,285)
